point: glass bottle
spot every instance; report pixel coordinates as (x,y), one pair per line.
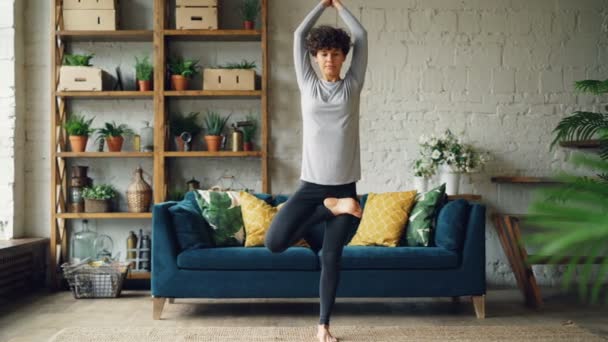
(82,244)
(147,138)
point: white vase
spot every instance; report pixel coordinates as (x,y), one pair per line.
(421,184)
(451,179)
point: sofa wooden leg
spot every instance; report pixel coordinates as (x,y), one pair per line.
(158,304)
(479,303)
(171,300)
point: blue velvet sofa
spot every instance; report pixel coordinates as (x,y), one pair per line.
(454,266)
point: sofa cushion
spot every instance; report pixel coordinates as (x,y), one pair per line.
(422,218)
(376,257)
(222,211)
(451,224)
(191,229)
(384,219)
(257,217)
(248,258)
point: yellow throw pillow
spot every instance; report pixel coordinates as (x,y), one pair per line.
(384,219)
(257,216)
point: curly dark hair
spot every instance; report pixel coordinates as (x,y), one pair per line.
(327,37)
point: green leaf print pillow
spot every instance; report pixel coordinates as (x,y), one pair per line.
(222,210)
(422,217)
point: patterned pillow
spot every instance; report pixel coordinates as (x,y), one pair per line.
(222,211)
(420,223)
(257,216)
(384,219)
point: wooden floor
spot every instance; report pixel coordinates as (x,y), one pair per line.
(39,316)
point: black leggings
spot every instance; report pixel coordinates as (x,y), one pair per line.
(303,210)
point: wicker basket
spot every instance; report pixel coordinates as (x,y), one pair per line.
(139,194)
(97,206)
(95,282)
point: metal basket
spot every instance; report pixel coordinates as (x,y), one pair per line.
(88,281)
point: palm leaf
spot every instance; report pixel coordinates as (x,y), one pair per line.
(581,126)
(592,86)
(576,223)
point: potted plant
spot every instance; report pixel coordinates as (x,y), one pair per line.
(452,158)
(77,74)
(78,130)
(230,76)
(114,135)
(249,12)
(143,72)
(249,132)
(98,198)
(181,70)
(179,124)
(214,125)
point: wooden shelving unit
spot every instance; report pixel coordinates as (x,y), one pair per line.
(160,36)
(580,144)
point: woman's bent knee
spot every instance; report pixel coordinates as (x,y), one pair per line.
(274,245)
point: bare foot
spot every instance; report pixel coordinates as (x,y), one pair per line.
(345,205)
(324,335)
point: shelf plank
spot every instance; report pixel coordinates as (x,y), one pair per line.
(214,93)
(523,180)
(105,154)
(468,197)
(119,35)
(220,154)
(580,144)
(214,35)
(138,275)
(114,215)
(106,94)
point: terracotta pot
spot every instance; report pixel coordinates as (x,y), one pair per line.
(179,143)
(179,82)
(248,146)
(78,142)
(213,142)
(144,85)
(114,143)
(248,25)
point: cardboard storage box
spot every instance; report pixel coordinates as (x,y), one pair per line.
(80,78)
(89,4)
(229,79)
(196,18)
(96,20)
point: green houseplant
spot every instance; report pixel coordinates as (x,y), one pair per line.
(249,132)
(249,12)
(244,64)
(143,73)
(572,215)
(179,124)
(77,60)
(114,135)
(98,198)
(181,70)
(214,125)
(78,129)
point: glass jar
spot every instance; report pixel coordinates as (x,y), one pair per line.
(82,244)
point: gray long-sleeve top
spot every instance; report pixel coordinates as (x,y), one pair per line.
(330,110)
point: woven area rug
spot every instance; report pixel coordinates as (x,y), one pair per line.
(570,333)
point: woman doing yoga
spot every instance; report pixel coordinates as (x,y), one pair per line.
(330,157)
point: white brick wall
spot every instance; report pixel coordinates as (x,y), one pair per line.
(499,72)
(11,120)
